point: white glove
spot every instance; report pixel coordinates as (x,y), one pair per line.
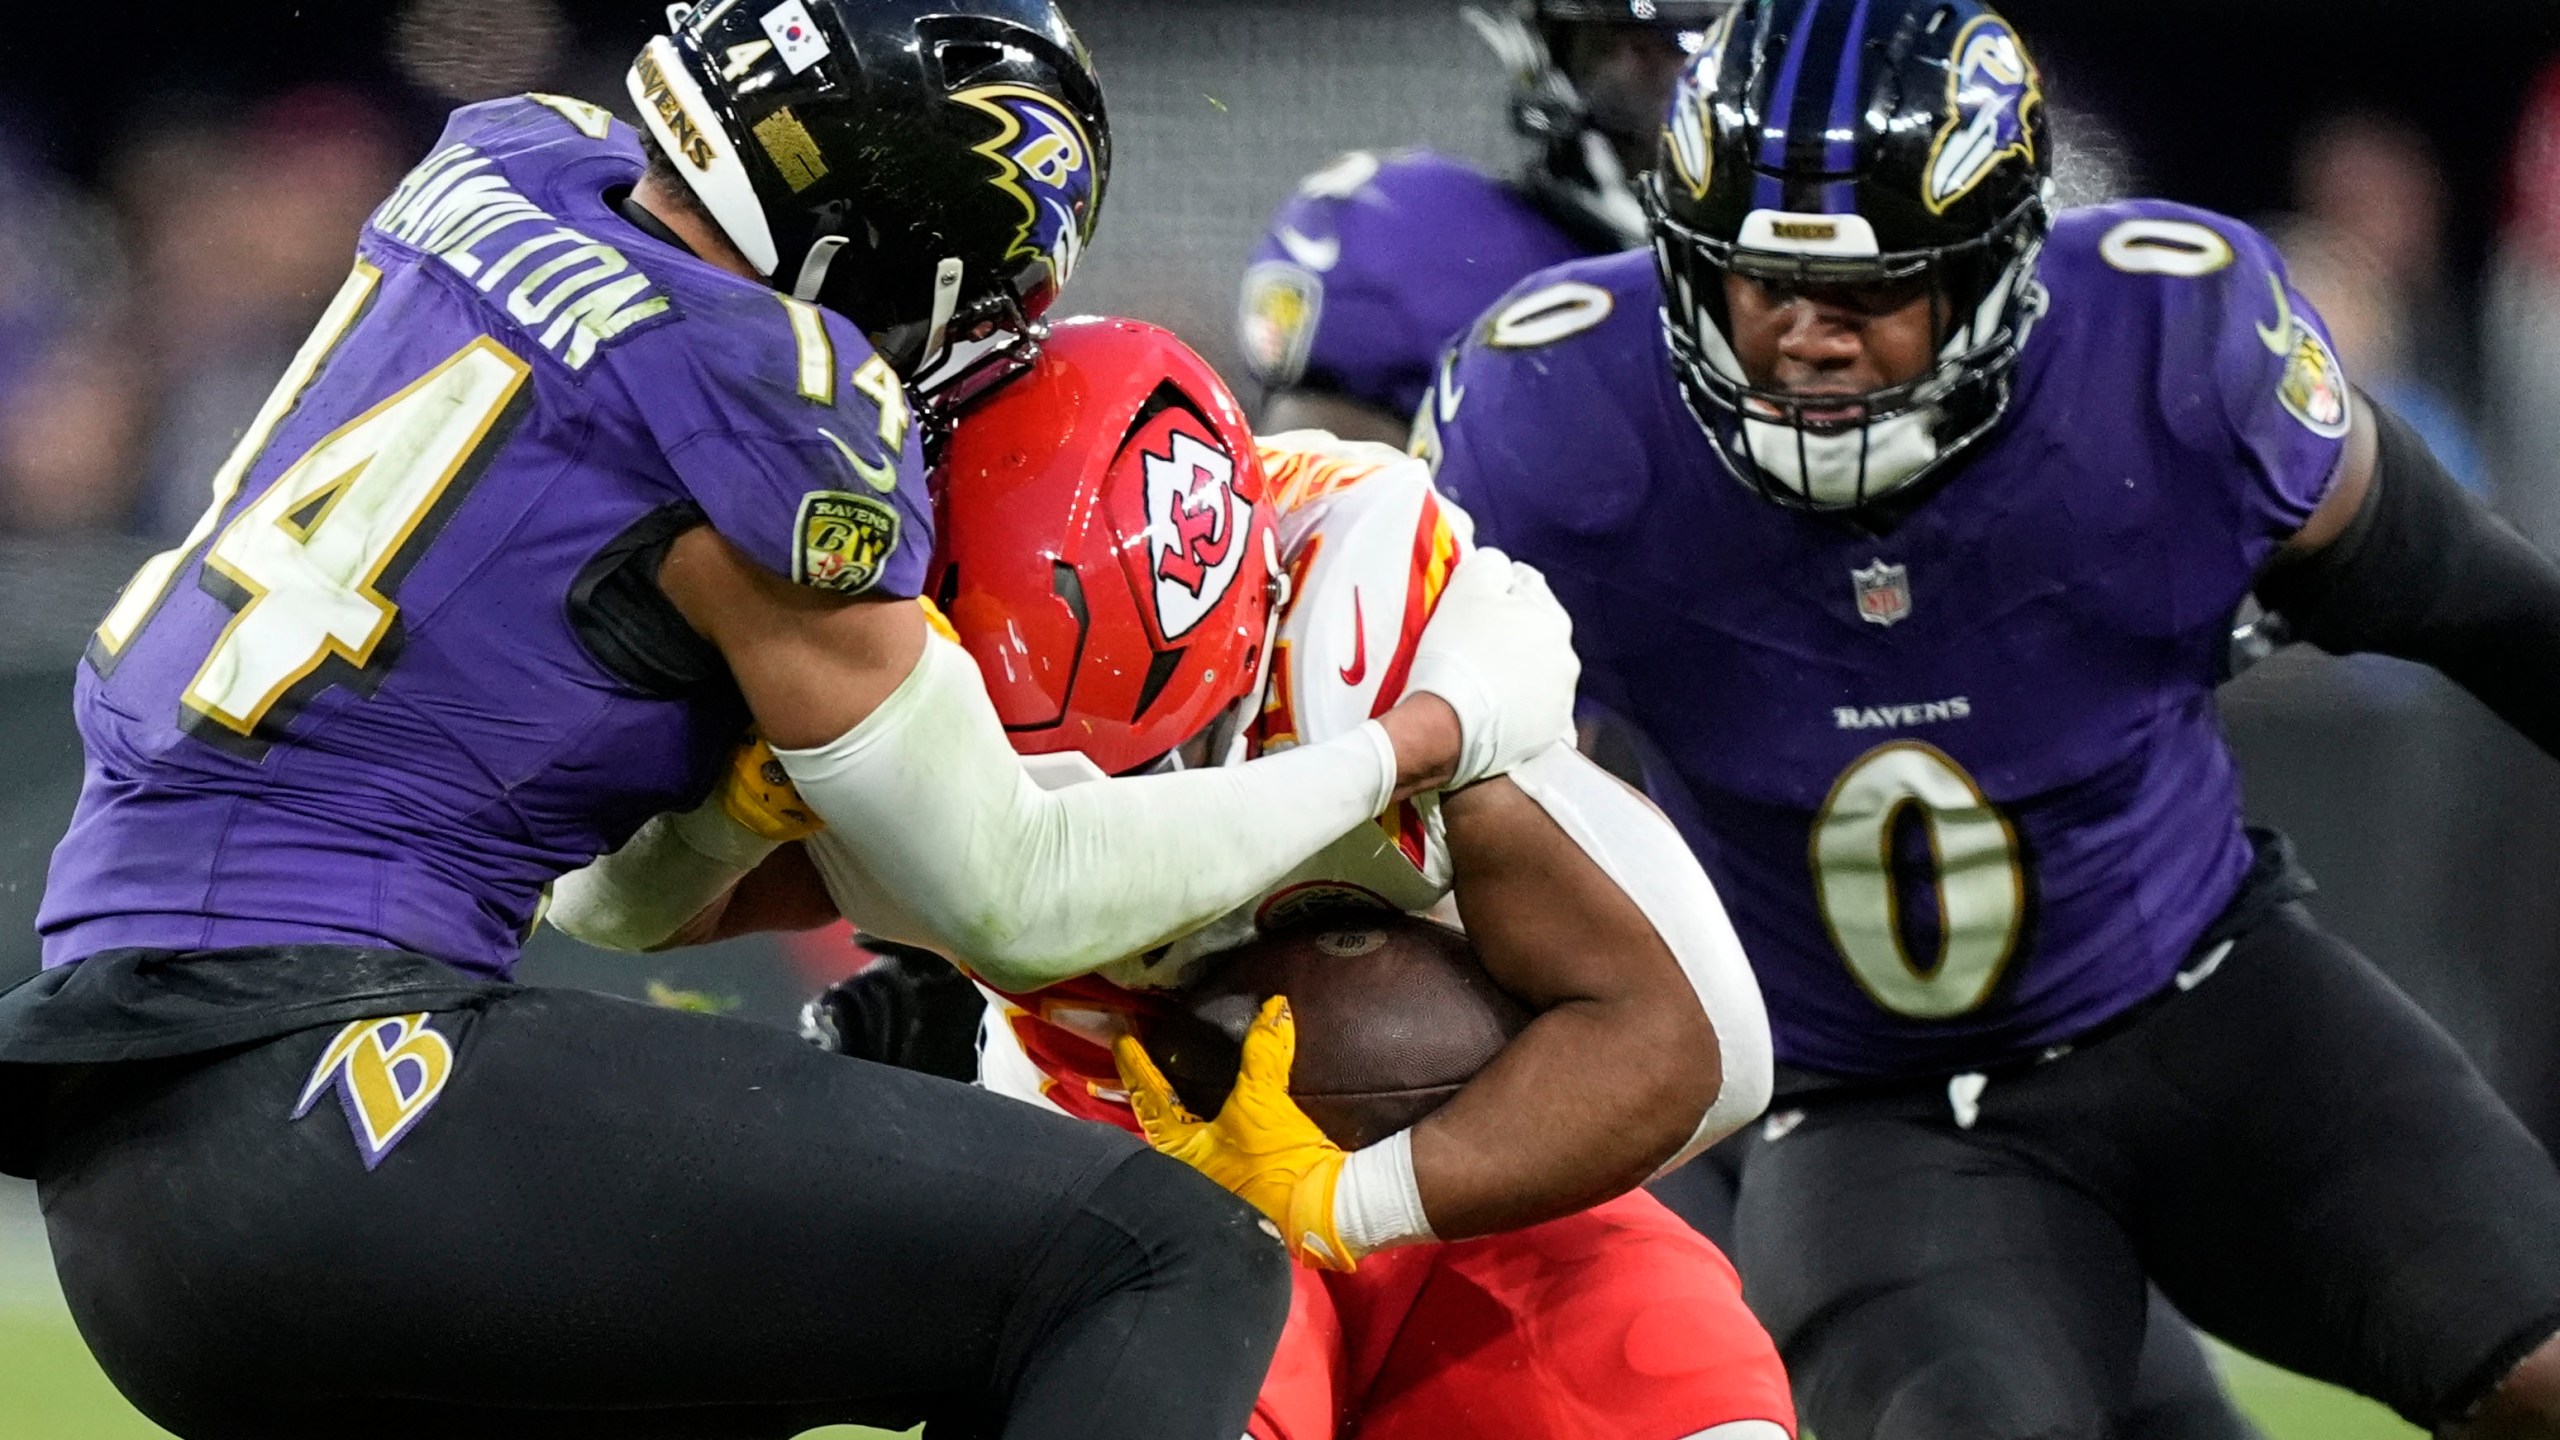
(1499,649)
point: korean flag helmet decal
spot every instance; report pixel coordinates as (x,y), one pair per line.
(1892,143)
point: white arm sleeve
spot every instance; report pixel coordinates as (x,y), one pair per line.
(1636,846)
(937,837)
(641,894)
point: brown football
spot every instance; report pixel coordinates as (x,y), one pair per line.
(1394,1014)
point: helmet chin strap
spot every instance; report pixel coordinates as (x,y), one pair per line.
(946,303)
(813,269)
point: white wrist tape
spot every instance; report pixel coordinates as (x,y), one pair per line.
(1377,1203)
(1635,846)
(935,835)
(670,871)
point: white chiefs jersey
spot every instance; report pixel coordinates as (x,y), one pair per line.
(1368,545)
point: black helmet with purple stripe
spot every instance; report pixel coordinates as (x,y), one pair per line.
(1854,142)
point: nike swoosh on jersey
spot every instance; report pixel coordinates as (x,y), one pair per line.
(2279,338)
(1317,255)
(883,478)
(1358,669)
(1450,394)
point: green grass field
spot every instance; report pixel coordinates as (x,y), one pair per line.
(50,1390)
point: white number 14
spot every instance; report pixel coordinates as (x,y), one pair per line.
(304,561)
(308,552)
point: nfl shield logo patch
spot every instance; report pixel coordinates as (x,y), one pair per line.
(1884,593)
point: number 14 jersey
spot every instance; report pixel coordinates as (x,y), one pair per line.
(1960,782)
(370,700)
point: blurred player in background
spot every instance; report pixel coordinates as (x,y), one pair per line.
(600,452)
(1909,520)
(1148,587)
(1382,259)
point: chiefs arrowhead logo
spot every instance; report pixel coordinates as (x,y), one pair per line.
(1195,521)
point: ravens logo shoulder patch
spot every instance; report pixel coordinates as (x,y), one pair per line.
(844,541)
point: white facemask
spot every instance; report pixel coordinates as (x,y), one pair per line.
(1852,466)
(1849,466)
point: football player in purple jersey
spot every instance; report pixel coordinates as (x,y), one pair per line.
(1381,259)
(604,450)
(1908,520)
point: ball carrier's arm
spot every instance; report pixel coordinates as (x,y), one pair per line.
(1581,900)
(1649,1042)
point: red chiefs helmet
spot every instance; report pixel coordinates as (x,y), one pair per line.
(1108,553)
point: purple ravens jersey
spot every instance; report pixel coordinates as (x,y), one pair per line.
(353,707)
(1961,783)
(1377,264)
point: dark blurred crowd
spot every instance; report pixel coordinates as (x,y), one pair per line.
(143,320)
(144,316)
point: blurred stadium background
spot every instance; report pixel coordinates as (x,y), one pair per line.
(178,193)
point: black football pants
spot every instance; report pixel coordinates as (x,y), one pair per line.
(2301,1160)
(618,1221)
(2176,1393)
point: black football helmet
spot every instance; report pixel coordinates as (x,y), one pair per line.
(929,169)
(1889,142)
(1573,169)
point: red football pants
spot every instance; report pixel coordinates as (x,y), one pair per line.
(1620,1323)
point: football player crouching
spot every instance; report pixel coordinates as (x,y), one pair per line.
(1119,544)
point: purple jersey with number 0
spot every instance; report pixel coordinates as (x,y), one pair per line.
(1377,264)
(352,708)
(1961,783)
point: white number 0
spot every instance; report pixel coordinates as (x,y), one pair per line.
(1982,902)
(305,560)
(2158,246)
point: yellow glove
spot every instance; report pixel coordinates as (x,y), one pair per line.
(757,794)
(1261,1146)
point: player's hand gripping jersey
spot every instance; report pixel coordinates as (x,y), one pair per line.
(394,681)
(1960,782)
(1368,546)
(1376,264)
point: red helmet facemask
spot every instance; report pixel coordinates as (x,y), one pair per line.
(1108,553)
